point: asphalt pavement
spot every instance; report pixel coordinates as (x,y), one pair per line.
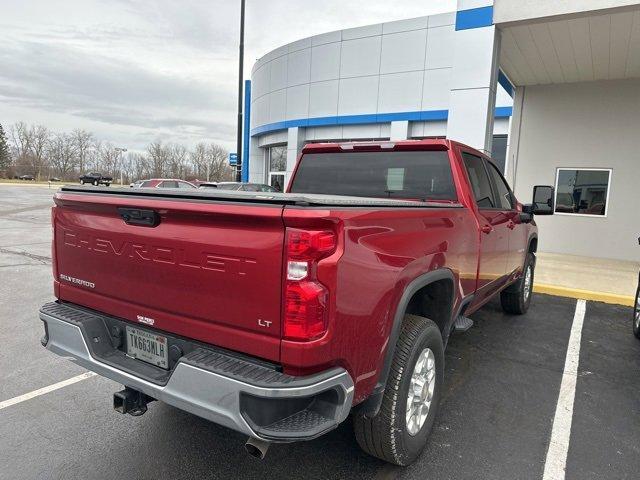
(503,378)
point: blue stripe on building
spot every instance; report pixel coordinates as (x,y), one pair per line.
(418,116)
(474,18)
(506,83)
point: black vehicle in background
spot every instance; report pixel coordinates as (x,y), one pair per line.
(95,178)
(26,177)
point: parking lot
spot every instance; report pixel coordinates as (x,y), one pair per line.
(503,379)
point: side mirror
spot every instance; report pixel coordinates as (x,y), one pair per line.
(543,197)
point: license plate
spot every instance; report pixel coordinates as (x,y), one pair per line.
(148,347)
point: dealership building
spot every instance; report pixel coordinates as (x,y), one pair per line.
(551,90)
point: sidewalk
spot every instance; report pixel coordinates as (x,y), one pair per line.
(605,280)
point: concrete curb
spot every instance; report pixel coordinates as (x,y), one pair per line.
(612,298)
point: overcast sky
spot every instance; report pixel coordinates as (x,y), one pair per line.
(133,71)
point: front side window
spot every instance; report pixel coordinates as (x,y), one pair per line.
(169,184)
(276,166)
(185,185)
(503,198)
(479,179)
(582,191)
(408,175)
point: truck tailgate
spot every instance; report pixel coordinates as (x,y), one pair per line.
(209,271)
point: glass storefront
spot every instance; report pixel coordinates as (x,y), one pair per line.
(276,166)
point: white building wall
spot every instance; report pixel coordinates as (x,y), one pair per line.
(593,124)
(357,81)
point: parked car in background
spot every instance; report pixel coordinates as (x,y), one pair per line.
(95,178)
(239,186)
(279,315)
(26,177)
(54,179)
(166,183)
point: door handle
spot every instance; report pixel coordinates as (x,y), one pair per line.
(511,225)
(486,229)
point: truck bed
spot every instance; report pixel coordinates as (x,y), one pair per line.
(297,199)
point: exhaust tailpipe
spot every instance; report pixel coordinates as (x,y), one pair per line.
(131,401)
(257,448)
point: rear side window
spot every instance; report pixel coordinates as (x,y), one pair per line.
(479,180)
(146,184)
(411,175)
(169,184)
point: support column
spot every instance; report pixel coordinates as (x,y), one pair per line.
(399,130)
(474,75)
(513,141)
(295,141)
(256,162)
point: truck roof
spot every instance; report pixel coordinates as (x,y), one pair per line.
(393,145)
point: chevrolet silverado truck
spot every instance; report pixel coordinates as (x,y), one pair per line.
(280,314)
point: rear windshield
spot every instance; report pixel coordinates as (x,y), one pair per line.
(411,175)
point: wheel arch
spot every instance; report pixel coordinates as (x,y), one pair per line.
(414,298)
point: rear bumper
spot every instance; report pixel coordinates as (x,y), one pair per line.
(230,391)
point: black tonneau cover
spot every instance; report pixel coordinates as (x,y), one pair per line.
(299,199)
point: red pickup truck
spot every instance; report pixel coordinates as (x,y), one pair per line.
(279,314)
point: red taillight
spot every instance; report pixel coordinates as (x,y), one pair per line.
(305,298)
(309,244)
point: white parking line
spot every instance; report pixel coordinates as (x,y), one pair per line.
(42,391)
(556,462)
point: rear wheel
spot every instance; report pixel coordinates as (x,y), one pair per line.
(636,313)
(81,182)
(517,297)
(398,432)
(95,183)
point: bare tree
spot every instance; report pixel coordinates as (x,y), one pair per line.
(83,142)
(139,165)
(109,159)
(20,138)
(62,154)
(38,141)
(217,162)
(198,158)
(158,158)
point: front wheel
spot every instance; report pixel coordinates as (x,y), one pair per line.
(516,298)
(636,313)
(81,182)
(398,432)
(95,183)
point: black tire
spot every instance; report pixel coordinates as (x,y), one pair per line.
(95,183)
(81,182)
(516,298)
(107,184)
(636,313)
(386,435)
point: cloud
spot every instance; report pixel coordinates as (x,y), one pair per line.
(134,71)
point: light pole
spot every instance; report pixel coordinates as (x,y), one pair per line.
(240,82)
(120,151)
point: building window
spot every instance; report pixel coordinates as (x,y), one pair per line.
(582,191)
(499,151)
(276,162)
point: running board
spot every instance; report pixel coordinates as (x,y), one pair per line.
(462,324)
